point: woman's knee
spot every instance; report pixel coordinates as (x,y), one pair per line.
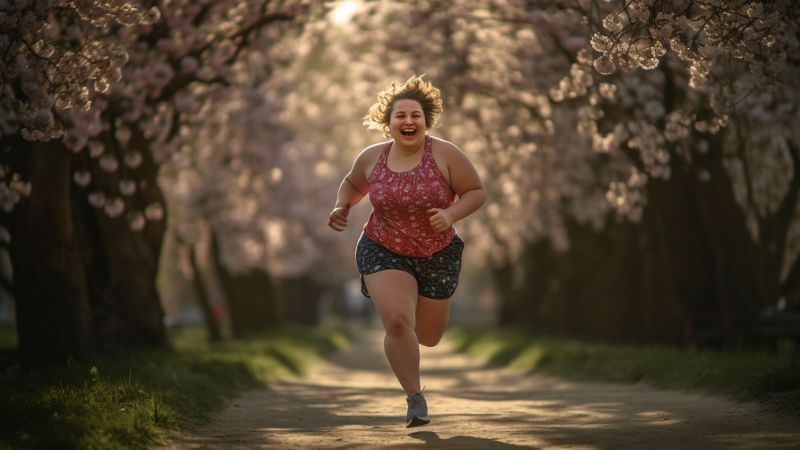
(428,339)
(432,317)
(398,324)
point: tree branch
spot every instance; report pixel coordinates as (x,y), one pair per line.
(179,82)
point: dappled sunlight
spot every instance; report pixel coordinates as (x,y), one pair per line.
(168,162)
(343,11)
(354,402)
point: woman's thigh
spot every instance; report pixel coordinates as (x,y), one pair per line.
(431,319)
(394,294)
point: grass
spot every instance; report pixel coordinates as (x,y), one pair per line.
(128,402)
(8,336)
(770,378)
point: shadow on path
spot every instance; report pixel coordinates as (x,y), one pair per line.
(354,401)
(432,440)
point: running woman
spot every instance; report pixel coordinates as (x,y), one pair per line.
(409,254)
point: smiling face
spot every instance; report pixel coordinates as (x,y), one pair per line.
(407,122)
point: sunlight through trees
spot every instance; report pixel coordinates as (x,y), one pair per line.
(641,158)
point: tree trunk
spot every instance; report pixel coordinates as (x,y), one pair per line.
(605,285)
(610,285)
(121,264)
(212,322)
(680,260)
(508,307)
(250,296)
(53,312)
(735,254)
(791,286)
(776,240)
(538,285)
(301,297)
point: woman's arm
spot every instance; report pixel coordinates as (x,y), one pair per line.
(466,183)
(352,189)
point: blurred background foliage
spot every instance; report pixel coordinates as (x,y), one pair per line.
(166,163)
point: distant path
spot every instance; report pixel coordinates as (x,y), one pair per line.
(354,401)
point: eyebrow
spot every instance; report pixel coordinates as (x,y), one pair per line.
(403,112)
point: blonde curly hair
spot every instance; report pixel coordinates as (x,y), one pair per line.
(415,88)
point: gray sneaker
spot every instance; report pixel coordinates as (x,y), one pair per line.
(417,411)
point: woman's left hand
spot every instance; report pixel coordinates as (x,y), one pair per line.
(440,219)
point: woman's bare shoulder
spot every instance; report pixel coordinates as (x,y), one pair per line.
(368,158)
(371,152)
(445,148)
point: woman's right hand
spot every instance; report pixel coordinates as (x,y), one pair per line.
(338,217)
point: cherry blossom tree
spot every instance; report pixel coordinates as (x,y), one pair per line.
(55,57)
(604,132)
(291,135)
(120,129)
(727,67)
(565,140)
(640,155)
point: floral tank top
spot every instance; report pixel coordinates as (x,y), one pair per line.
(400,220)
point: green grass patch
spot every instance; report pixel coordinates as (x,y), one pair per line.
(8,336)
(770,378)
(127,402)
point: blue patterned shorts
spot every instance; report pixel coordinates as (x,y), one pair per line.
(436,275)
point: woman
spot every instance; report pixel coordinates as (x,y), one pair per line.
(409,255)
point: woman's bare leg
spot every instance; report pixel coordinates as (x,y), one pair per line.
(432,316)
(394,294)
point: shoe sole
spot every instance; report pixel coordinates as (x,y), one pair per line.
(417,421)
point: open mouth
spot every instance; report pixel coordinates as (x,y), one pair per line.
(408,132)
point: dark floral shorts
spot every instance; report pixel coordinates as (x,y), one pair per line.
(436,275)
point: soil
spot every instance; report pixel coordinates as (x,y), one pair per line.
(353,401)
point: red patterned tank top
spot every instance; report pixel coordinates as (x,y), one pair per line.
(400,220)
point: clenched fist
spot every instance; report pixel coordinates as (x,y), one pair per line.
(338,217)
(440,219)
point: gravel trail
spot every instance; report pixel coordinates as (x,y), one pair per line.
(354,402)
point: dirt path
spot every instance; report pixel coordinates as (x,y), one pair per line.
(354,401)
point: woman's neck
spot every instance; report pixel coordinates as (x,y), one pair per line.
(407,151)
